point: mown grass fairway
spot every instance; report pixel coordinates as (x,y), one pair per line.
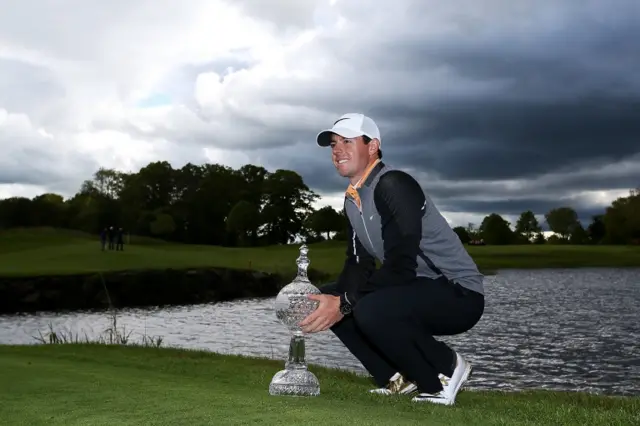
(121,385)
(47,251)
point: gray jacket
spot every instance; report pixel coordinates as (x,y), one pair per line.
(398,224)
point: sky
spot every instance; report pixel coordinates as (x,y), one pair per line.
(495,106)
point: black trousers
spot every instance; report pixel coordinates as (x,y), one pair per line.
(392,329)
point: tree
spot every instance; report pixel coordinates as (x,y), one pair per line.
(463,234)
(578,235)
(326,220)
(152,188)
(186,206)
(16,212)
(555,239)
(244,220)
(341,234)
(562,221)
(162,224)
(48,210)
(287,204)
(216,204)
(622,219)
(253,184)
(528,225)
(496,230)
(596,229)
(472,231)
(539,238)
(217,193)
(108,182)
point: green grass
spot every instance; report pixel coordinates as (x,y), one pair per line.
(128,385)
(92,384)
(47,251)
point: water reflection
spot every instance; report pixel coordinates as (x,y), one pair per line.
(560,329)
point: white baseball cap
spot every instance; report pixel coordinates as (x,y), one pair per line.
(350,125)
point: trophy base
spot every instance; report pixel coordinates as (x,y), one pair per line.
(298,382)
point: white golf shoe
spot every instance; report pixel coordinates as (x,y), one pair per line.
(450,385)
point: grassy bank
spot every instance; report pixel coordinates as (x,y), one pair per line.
(125,385)
(40,252)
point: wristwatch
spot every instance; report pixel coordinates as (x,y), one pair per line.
(345,305)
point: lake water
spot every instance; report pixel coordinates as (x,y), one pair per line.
(575,330)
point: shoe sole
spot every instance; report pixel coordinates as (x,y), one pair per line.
(463,380)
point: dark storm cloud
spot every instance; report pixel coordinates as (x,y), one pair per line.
(551,187)
(523,100)
(483,197)
(567,96)
(24,177)
(467,93)
(497,140)
(32,166)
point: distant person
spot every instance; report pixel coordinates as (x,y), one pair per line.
(120,240)
(103,238)
(111,236)
(427,285)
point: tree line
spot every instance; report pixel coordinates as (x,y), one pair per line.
(196,204)
(250,206)
(618,224)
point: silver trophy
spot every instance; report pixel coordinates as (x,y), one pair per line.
(292,306)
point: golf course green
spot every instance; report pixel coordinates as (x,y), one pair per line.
(42,251)
(127,385)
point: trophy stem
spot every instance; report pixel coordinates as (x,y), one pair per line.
(297,353)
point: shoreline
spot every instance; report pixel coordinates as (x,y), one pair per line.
(157,287)
(136,288)
(63,274)
(326,277)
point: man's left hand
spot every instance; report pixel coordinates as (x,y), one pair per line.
(325,316)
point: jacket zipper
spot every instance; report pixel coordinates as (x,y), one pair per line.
(364,224)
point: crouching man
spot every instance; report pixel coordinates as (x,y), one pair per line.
(427,284)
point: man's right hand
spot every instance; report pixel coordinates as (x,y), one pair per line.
(325,316)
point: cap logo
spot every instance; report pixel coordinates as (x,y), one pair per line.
(346,118)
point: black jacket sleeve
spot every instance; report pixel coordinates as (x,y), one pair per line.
(401,205)
(358,267)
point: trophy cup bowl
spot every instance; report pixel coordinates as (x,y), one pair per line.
(292,306)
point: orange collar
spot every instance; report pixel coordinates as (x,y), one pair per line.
(352,189)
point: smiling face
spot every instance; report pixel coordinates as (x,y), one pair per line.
(351,156)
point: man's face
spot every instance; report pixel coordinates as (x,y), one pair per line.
(350,155)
